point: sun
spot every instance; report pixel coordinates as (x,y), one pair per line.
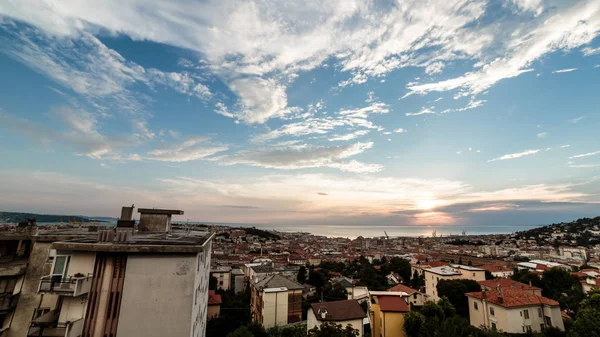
(426,204)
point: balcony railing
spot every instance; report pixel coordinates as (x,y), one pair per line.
(10,266)
(47,325)
(67,286)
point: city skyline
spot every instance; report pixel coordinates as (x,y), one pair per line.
(361,113)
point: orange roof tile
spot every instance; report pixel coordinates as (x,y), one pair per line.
(513,297)
(213,298)
(402,287)
(392,303)
(507,283)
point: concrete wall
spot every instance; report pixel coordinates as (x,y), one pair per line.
(158,295)
(431,281)
(29,299)
(214,311)
(417,299)
(223,282)
(199,312)
(239,283)
(154,223)
(393,324)
(275,309)
(81,262)
(73,309)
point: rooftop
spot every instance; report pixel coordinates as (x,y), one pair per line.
(213,299)
(507,283)
(392,303)
(512,297)
(444,271)
(463,267)
(277,281)
(159,211)
(338,311)
(403,288)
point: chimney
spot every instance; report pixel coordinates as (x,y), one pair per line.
(156,220)
(530,283)
(126,220)
(323,313)
(500,297)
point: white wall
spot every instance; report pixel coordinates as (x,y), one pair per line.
(199,313)
(275,309)
(311,322)
(73,308)
(158,294)
(81,262)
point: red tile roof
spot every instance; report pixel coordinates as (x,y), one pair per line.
(506,283)
(434,264)
(512,297)
(213,298)
(392,303)
(402,287)
(496,267)
(338,310)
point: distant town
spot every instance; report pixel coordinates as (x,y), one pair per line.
(79,278)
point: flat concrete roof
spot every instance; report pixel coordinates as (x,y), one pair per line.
(443,270)
(159,211)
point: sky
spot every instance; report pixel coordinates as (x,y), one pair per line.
(303,113)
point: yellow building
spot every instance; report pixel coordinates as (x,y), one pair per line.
(387,315)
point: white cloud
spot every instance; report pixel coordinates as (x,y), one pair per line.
(588,51)
(399,130)
(298,156)
(192,149)
(576,120)
(585,155)
(534,6)
(583,165)
(568,70)
(515,155)
(423,111)
(260,99)
(348,136)
(542,135)
(434,68)
(564,146)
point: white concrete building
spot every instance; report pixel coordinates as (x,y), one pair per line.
(276,300)
(452,272)
(513,311)
(346,312)
(149,282)
(223,276)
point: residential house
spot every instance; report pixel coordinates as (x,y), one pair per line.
(394,278)
(387,315)
(223,276)
(451,272)
(347,312)
(238,280)
(413,296)
(513,310)
(276,300)
(214,305)
(499,270)
(507,283)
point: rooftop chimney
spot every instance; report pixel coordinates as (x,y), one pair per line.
(156,220)
(126,220)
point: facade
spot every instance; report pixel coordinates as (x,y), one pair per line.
(412,296)
(506,283)
(276,300)
(451,272)
(347,312)
(223,276)
(107,285)
(499,270)
(214,304)
(513,311)
(238,280)
(387,315)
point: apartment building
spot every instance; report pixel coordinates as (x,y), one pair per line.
(276,300)
(223,276)
(451,272)
(412,296)
(347,312)
(499,270)
(152,281)
(506,283)
(513,310)
(387,314)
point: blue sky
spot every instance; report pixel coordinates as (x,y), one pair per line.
(420,113)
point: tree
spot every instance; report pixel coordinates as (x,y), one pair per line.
(241,332)
(334,292)
(455,291)
(316,279)
(333,330)
(587,321)
(415,281)
(489,275)
(301,275)
(290,331)
(563,287)
(447,307)
(212,283)
(525,276)
(413,321)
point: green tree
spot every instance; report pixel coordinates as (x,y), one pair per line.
(415,281)
(563,287)
(289,331)
(301,275)
(212,283)
(334,292)
(333,330)
(316,279)
(587,321)
(241,332)
(447,307)
(489,275)
(413,321)
(525,276)
(455,291)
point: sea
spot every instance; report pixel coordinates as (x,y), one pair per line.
(353,231)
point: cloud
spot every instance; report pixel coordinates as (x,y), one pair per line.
(534,6)
(399,130)
(240,207)
(565,146)
(542,135)
(260,99)
(348,136)
(587,51)
(564,70)
(191,149)
(423,111)
(321,193)
(585,155)
(294,156)
(434,68)
(515,155)
(576,120)
(583,165)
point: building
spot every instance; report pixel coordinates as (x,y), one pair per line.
(223,276)
(276,300)
(506,283)
(152,281)
(387,315)
(413,296)
(238,280)
(451,272)
(498,270)
(513,310)
(214,305)
(347,312)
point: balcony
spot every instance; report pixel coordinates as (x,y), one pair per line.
(8,302)
(66,286)
(47,325)
(10,266)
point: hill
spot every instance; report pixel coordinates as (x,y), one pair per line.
(581,232)
(15,217)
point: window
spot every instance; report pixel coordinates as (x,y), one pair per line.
(539,312)
(541,327)
(492,313)
(494,326)
(528,327)
(548,321)
(61,266)
(526,314)
(415,296)
(473,274)
(475,306)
